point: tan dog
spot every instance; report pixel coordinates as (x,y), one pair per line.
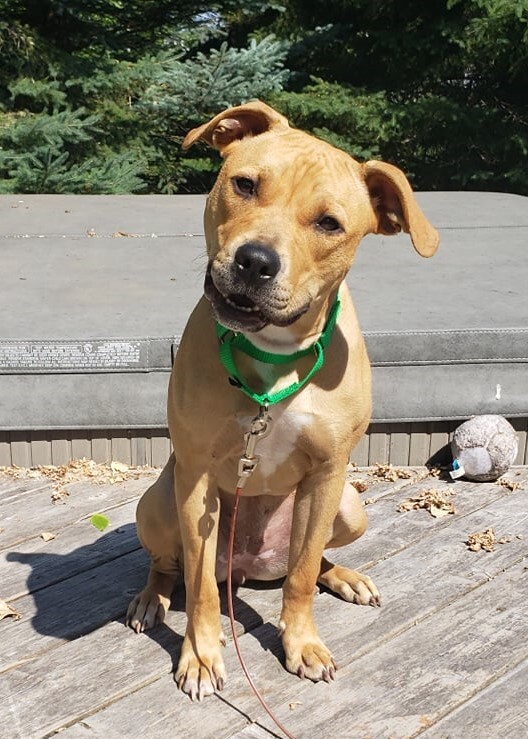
(282,225)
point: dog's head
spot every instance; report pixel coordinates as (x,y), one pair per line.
(286,214)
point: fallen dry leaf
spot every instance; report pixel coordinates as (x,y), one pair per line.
(434,472)
(7,611)
(118,467)
(293,705)
(390,473)
(47,536)
(482,540)
(437,503)
(360,485)
(124,235)
(509,484)
(369,501)
(59,495)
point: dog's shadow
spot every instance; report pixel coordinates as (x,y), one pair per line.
(80,591)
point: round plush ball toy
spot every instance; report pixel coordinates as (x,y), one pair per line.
(483,448)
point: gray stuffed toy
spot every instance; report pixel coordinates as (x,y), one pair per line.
(483,448)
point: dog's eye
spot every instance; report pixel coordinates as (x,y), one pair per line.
(329,224)
(244,186)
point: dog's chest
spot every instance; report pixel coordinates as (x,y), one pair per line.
(265,510)
(281,445)
(277,447)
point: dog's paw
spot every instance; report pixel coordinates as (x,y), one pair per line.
(146,610)
(308,658)
(351,585)
(200,675)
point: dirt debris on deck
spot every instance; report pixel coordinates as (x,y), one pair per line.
(78,470)
(438,503)
(101,473)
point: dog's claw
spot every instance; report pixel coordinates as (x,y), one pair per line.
(146,610)
(200,674)
(300,671)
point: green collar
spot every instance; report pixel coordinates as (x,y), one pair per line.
(229,339)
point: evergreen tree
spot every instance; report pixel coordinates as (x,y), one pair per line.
(96,95)
(438,88)
(93,99)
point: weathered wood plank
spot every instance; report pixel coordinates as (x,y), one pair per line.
(521,427)
(390,531)
(217,718)
(262,653)
(69,609)
(101,448)
(5,449)
(406,685)
(81,447)
(439,437)
(419,445)
(160,448)
(159,711)
(121,449)
(20,449)
(40,448)
(38,513)
(499,710)
(80,673)
(12,489)
(360,453)
(76,548)
(139,454)
(379,444)
(399,443)
(417,583)
(60,451)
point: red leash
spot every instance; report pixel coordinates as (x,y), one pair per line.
(232,616)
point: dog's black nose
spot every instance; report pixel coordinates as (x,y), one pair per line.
(256,264)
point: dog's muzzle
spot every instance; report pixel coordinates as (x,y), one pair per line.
(245,293)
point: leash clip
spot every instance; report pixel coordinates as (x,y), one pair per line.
(259,429)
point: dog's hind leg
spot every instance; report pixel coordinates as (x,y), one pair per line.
(349,524)
(158,531)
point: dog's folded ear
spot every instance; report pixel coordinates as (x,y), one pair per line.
(395,207)
(234,124)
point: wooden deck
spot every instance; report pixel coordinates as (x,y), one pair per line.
(445,656)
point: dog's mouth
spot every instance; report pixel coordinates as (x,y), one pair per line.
(235,310)
(242,312)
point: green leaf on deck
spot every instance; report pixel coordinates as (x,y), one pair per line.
(99,521)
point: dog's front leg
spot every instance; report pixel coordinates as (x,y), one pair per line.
(201,668)
(316,505)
